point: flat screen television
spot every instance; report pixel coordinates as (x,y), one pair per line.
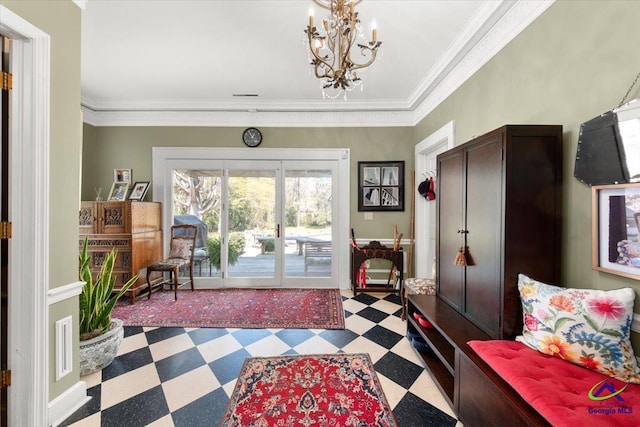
(609,147)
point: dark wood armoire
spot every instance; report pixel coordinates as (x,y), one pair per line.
(499,201)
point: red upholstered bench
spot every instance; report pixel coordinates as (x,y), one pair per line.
(559,390)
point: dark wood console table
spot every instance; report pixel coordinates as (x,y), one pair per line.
(375,250)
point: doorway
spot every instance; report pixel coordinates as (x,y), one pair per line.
(267,218)
(28,336)
(5,87)
(426,153)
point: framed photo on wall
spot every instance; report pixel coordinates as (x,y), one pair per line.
(139,190)
(381,186)
(615,229)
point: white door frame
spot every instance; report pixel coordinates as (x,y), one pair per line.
(425,163)
(161,182)
(29,211)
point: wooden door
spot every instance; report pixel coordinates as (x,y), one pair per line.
(104,218)
(484,227)
(113,217)
(87,219)
(450,226)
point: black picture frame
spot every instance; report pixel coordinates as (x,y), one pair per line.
(139,190)
(381,186)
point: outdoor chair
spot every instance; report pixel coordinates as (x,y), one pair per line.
(316,253)
(181,256)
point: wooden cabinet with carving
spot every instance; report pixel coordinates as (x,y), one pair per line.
(133,228)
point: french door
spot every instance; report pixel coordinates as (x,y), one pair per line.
(262,223)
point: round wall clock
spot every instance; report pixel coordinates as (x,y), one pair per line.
(252,137)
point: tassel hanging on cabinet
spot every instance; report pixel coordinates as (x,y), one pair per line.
(461,259)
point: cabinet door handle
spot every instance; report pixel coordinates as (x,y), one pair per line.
(463,231)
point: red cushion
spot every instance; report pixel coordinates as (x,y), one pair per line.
(559,390)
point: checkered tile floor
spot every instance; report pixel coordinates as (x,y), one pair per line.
(184,376)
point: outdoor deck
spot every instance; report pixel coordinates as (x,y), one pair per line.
(255,264)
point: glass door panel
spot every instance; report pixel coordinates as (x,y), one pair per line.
(307,223)
(308,219)
(253,231)
(197,200)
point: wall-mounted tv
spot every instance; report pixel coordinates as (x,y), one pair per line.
(609,147)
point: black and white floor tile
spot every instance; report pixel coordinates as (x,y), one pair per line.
(183,377)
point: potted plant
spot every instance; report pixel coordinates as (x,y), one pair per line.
(236,248)
(100,336)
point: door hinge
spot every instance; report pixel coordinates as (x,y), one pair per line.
(6,378)
(7,81)
(5,230)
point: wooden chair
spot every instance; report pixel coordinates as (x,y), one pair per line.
(183,241)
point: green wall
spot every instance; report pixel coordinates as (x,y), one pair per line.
(130,147)
(61,21)
(573,63)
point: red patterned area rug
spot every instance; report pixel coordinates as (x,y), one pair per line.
(236,308)
(302,390)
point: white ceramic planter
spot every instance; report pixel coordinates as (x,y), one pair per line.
(97,353)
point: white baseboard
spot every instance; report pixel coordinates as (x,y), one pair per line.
(67,403)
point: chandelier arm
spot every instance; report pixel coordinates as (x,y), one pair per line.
(347,39)
(326,4)
(359,66)
(319,61)
(373,53)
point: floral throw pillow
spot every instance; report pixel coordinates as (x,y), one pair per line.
(588,327)
(180,248)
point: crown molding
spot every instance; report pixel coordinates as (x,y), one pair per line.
(492,28)
(238,105)
(82,4)
(479,25)
(246,118)
(509,25)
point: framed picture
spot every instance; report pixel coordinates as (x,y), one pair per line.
(139,190)
(122,175)
(118,191)
(615,224)
(381,186)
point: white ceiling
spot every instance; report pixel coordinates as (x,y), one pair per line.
(148,62)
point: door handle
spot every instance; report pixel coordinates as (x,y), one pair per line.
(278,230)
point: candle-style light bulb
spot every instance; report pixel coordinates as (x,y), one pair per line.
(311,17)
(374,31)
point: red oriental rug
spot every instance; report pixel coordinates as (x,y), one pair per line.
(303,390)
(236,308)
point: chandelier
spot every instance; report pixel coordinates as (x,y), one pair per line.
(330,51)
